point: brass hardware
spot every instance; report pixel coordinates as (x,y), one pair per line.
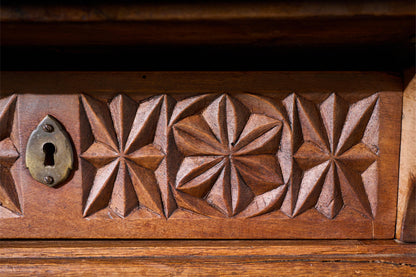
(49,155)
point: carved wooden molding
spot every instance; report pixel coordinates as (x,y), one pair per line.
(211,165)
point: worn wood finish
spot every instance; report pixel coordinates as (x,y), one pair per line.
(193,163)
(213,267)
(201,258)
(389,250)
(406,207)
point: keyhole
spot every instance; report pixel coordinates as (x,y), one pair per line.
(49,150)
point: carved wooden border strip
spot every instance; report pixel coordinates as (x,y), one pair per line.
(218,165)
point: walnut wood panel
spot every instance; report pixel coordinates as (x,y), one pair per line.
(201,258)
(406,208)
(257,160)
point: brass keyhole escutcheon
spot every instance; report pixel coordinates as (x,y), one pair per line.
(49,155)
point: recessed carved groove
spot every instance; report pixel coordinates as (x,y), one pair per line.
(237,155)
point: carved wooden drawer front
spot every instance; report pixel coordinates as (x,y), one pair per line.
(205,155)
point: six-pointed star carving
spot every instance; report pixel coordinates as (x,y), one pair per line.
(124,156)
(229,155)
(333,155)
(8,155)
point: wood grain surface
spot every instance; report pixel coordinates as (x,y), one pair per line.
(207,258)
(406,207)
(207,155)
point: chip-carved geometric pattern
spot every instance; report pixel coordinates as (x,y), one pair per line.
(335,152)
(239,155)
(230,157)
(123,154)
(8,155)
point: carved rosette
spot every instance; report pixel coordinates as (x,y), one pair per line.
(8,155)
(124,155)
(335,145)
(230,165)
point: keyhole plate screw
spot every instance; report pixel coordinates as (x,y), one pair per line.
(47,128)
(48,180)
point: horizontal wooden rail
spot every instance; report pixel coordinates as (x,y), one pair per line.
(201,257)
